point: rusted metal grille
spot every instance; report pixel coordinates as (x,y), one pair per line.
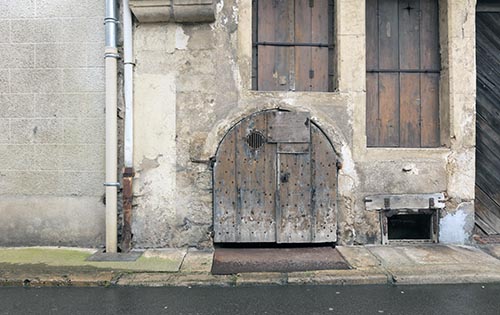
(255,140)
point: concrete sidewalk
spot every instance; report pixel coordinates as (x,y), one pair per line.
(409,264)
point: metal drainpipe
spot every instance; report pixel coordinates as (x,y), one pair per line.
(128,170)
(111,56)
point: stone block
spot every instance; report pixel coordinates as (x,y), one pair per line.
(69,157)
(158,37)
(94,54)
(155,115)
(86,130)
(60,55)
(4,130)
(461,174)
(89,105)
(30,220)
(196,62)
(350,17)
(17,183)
(61,8)
(83,80)
(461,19)
(95,8)
(403,176)
(4,81)
(36,31)
(4,30)
(155,62)
(17,105)
(82,30)
(352,63)
(197,261)
(83,157)
(25,131)
(196,83)
(201,37)
(75,183)
(17,55)
(35,80)
(18,8)
(16,157)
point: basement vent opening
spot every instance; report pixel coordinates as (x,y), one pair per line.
(409,226)
(255,140)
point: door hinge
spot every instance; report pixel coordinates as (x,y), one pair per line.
(311,74)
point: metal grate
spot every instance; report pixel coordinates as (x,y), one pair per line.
(255,140)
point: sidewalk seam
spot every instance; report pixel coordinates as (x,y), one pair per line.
(391,279)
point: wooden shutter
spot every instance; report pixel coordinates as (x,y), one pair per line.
(292,45)
(403,66)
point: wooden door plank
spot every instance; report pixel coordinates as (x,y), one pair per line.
(372,40)
(283,55)
(274,62)
(372,109)
(303,55)
(319,55)
(429,94)
(409,109)
(266,54)
(409,34)
(294,191)
(487,210)
(319,66)
(372,88)
(288,127)
(389,109)
(429,35)
(253,173)
(488,118)
(388,45)
(324,179)
(225,227)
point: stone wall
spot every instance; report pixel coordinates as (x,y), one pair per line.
(193,82)
(51,122)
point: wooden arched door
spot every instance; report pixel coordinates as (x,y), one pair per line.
(275,180)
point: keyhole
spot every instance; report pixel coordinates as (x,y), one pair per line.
(285,177)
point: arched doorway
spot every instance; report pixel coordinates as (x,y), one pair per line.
(275,181)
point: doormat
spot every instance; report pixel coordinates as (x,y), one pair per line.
(237,260)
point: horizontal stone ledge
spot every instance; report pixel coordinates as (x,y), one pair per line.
(182,11)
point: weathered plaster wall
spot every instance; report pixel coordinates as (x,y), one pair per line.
(204,70)
(51,122)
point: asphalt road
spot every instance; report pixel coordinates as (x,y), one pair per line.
(435,299)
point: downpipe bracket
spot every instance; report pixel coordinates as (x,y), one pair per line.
(118,185)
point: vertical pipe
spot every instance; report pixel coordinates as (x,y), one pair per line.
(111,55)
(128,84)
(128,171)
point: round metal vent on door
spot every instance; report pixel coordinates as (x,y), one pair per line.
(255,140)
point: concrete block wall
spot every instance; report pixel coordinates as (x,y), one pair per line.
(51,122)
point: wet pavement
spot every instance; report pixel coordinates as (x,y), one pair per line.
(291,299)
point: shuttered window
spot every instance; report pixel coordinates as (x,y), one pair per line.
(292,45)
(402,80)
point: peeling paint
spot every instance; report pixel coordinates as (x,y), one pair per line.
(148,164)
(454,227)
(181,39)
